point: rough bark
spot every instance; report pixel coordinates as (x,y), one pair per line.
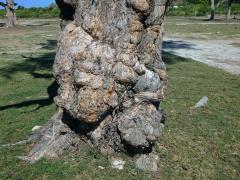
(10,14)
(111,77)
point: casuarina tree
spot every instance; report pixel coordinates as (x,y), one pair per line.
(111,78)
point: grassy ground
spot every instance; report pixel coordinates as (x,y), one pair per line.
(201,28)
(197,144)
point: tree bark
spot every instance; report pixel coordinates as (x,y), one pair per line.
(10,14)
(111,76)
(212,10)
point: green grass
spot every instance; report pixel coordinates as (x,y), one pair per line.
(201,28)
(201,143)
(197,144)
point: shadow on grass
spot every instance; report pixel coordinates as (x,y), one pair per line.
(38,67)
(172,44)
(52,92)
(216,19)
(32,65)
(210,20)
(50,44)
(37,25)
(169,58)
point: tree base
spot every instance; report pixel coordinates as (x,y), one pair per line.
(63,134)
(53,139)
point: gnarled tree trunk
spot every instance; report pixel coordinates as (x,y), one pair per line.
(111,77)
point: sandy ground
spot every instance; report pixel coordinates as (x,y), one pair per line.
(217,53)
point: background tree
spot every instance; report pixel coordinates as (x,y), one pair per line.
(229,9)
(10,13)
(212,10)
(204,7)
(219,2)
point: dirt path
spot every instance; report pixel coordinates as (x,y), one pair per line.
(217,53)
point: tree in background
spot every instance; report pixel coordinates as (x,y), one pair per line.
(212,10)
(229,6)
(20,7)
(219,2)
(10,13)
(229,9)
(203,7)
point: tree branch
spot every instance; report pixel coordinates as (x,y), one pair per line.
(3,4)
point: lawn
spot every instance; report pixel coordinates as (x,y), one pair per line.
(202,28)
(196,144)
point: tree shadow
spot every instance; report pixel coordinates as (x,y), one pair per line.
(50,44)
(169,46)
(52,92)
(43,24)
(33,65)
(37,67)
(178,44)
(216,19)
(169,58)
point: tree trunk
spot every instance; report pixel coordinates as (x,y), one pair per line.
(111,76)
(212,10)
(10,13)
(229,9)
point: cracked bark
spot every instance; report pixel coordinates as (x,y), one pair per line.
(111,76)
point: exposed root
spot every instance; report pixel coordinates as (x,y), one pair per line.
(16,143)
(53,139)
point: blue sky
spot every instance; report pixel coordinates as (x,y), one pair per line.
(34,3)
